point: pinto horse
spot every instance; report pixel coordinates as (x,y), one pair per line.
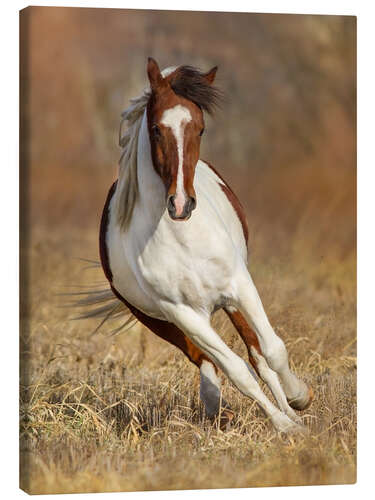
(173,246)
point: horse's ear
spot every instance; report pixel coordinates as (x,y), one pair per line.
(154,75)
(210,75)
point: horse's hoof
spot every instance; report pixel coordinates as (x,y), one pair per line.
(296,429)
(302,402)
(292,415)
(284,424)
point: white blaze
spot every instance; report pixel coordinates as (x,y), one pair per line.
(176,118)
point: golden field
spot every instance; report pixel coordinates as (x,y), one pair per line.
(122,413)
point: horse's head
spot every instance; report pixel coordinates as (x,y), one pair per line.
(175,126)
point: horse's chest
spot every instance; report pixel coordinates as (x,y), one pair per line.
(194,271)
(191,263)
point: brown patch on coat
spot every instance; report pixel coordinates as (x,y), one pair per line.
(234,201)
(247,334)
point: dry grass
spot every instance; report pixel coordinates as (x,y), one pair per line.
(122,413)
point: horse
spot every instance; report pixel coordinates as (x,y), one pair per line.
(174,248)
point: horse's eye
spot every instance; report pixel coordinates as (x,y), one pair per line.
(201,132)
(156,131)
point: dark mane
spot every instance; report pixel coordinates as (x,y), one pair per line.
(190,83)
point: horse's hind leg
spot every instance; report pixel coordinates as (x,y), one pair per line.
(257,360)
(210,393)
(299,396)
(210,384)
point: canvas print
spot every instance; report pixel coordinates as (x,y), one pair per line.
(188,250)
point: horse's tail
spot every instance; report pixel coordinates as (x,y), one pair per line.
(98,302)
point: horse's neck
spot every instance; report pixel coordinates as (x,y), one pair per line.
(151,199)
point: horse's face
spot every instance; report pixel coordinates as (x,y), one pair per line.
(175,126)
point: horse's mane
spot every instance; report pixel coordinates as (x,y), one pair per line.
(187,82)
(190,83)
(127,185)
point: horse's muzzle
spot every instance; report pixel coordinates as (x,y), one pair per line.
(189,206)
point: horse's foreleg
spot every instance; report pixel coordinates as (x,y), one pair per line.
(197,328)
(210,383)
(272,347)
(258,361)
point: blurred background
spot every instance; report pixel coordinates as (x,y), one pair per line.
(285,141)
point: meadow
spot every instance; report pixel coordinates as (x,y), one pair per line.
(103,413)
(122,413)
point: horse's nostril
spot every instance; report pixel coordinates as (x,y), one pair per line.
(193,202)
(170,204)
